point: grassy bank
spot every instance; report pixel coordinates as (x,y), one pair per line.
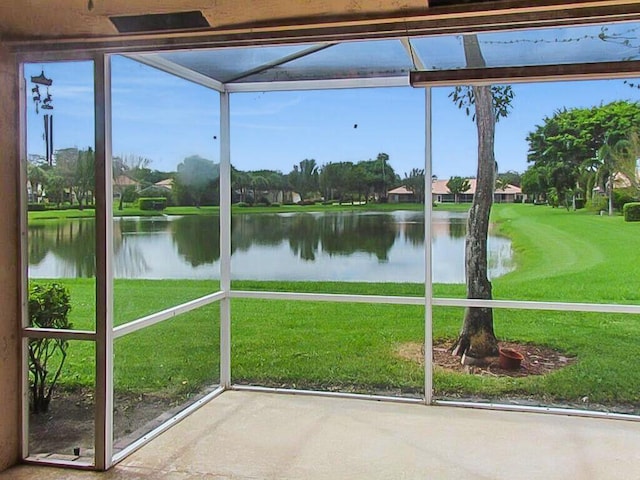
(561,256)
(237,210)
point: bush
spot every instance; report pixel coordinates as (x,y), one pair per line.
(49,306)
(306,202)
(155,203)
(275,204)
(130,194)
(631,212)
(242,204)
(36,207)
(623,196)
(597,204)
(579,202)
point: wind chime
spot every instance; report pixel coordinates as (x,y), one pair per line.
(44,104)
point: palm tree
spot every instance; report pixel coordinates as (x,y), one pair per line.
(606,172)
(258,182)
(618,161)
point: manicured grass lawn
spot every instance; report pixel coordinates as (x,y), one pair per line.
(136,212)
(561,256)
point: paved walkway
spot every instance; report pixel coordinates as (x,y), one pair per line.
(246,435)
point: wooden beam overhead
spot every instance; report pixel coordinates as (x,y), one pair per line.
(538,73)
(407,21)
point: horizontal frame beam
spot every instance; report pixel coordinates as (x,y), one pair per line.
(323,393)
(342,83)
(570,412)
(327,297)
(440,302)
(539,73)
(167,314)
(59,333)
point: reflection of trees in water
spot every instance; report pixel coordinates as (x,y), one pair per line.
(304,234)
(413,229)
(72,242)
(309,234)
(197,238)
(129,258)
(457,227)
(348,234)
(247,230)
(37,244)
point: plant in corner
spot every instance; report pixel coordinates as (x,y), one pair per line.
(49,306)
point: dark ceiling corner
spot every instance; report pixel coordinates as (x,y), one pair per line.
(160,22)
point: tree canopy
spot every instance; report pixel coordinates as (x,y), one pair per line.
(197,181)
(458,185)
(566,149)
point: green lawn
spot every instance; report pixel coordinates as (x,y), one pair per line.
(561,256)
(129,211)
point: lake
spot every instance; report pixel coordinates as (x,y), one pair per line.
(340,246)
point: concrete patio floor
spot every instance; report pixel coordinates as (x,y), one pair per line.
(247,435)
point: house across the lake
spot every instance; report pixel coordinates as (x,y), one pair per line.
(401,195)
(440,193)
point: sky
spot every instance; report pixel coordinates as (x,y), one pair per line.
(167,119)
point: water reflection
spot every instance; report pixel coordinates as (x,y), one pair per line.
(339,246)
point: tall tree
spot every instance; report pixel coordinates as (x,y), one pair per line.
(415,182)
(84,178)
(132,166)
(196,180)
(458,185)
(477,339)
(304,178)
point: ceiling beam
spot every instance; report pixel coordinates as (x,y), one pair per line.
(437,21)
(537,73)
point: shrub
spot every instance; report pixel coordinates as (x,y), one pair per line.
(306,202)
(36,207)
(130,194)
(155,203)
(275,204)
(622,197)
(49,305)
(597,203)
(242,204)
(631,212)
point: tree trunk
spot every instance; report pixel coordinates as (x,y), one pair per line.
(477,339)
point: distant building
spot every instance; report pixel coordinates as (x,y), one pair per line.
(123,181)
(440,193)
(401,195)
(166,183)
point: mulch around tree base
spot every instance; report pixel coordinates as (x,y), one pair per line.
(538,360)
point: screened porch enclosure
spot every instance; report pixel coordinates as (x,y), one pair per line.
(158,348)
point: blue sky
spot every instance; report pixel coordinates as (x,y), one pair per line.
(167,119)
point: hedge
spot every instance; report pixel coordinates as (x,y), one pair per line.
(631,212)
(153,203)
